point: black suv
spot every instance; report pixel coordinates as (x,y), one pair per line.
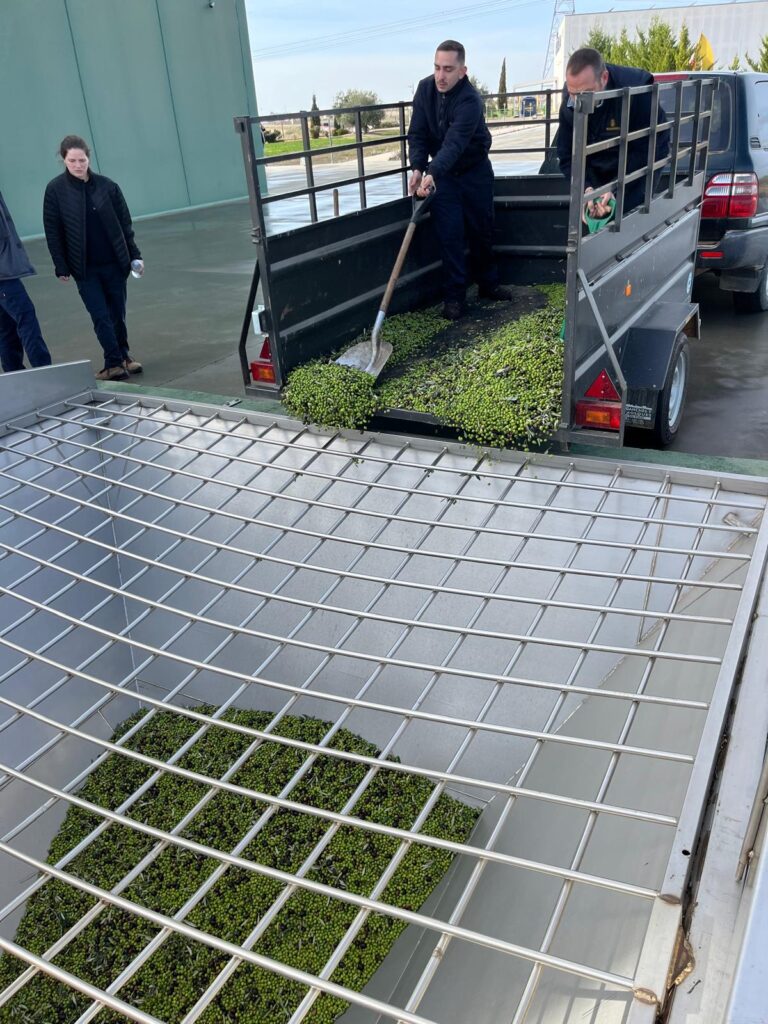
(733,237)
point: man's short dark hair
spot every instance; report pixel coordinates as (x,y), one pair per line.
(585,58)
(451,46)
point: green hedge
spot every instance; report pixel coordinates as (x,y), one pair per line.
(303,934)
(500,386)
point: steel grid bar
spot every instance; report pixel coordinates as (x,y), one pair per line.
(76,983)
(414,585)
(358,922)
(624,812)
(93,657)
(408,836)
(559,570)
(315,853)
(522,681)
(439,952)
(545,641)
(362,915)
(400,463)
(309,474)
(367,513)
(405,550)
(372,616)
(581,849)
(189,931)
(145,787)
(667,755)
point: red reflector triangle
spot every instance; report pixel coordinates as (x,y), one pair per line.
(603,388)
(266,352)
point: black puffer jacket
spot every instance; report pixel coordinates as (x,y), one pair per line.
(64,222)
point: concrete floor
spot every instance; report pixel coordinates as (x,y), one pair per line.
(185,316)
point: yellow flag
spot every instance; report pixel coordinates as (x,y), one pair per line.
(703,57)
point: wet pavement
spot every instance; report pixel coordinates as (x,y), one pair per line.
(726,410)
(186,313)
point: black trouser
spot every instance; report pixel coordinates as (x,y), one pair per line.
(19,329)
(103,291)
(462,212)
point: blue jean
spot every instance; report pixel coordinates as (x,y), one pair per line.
(19,329)
(103,291)
(462,212)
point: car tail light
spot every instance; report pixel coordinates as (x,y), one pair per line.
(730,195)
(262,369)
(600,408)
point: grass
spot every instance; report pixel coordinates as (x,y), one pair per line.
(286,146)
(305,931)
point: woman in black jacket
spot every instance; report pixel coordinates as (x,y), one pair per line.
(90,238)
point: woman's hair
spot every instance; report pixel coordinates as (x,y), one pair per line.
(73,142)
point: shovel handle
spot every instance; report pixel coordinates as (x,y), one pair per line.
(405,245)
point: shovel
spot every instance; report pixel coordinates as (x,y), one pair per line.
(371,356)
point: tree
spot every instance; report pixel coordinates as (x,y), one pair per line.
(656,49)
(684,51)
(503,86)
(761,64)
(359,98)
(314,121)
(481,87)
(600,41)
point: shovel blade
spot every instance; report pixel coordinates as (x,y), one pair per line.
(360,357)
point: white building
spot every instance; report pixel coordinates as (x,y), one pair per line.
(732,29)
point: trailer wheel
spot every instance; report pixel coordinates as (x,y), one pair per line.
(669,413)
(756,301)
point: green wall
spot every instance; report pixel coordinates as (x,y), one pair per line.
(152,85)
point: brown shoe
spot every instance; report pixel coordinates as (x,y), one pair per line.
(132,366)
(112,373)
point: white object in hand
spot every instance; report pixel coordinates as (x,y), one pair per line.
(137,268)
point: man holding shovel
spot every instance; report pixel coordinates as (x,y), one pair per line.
(448,142)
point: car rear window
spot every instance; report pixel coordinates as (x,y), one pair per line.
(722,110)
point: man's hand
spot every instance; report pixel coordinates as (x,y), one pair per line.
(600,207)
(426,186)
(413,182)
(65,279)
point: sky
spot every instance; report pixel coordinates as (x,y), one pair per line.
(323,47)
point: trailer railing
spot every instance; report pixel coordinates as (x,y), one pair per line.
(322,275)
(612,282)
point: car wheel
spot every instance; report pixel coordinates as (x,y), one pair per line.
(753,302)
(669,411)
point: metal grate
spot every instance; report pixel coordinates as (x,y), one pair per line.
(552,641)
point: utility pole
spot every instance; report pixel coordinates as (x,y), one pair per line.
(562,7)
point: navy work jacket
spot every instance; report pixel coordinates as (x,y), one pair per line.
(605,123)
(447,127)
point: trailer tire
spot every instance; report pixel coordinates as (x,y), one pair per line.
(756,301)
(669,411)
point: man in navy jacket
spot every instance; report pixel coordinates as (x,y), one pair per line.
(19,328)
(448,142)
(587,72)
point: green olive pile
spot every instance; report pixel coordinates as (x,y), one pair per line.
(305,931)
(502,388)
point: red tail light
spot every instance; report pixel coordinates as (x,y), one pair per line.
(730,195)
(600,408)
(262,368)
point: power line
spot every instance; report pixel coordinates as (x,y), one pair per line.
(389,28)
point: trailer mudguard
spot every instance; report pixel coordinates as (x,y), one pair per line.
(646,356)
